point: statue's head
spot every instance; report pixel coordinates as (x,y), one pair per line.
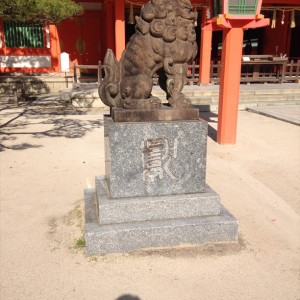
(169,20)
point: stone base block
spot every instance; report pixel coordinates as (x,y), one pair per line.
(125,237)
(164,113)
(139,209)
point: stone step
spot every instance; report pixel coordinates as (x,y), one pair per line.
(271,97)
(89,98)
(287,94)
(210,103)
(213,107)
(215,93)
(153,208)
(91,91)
(277,91)
(85,86)
(248,98)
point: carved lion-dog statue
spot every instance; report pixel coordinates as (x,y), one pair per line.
(163,43)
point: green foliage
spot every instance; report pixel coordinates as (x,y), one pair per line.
(37,11)
(80,243)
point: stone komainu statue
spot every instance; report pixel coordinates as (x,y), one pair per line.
(164,42)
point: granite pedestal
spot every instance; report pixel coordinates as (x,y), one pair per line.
(154,192)
(157,158)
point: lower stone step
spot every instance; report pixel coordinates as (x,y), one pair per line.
(126,237)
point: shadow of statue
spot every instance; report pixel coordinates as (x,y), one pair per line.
(209,118)
(128,297)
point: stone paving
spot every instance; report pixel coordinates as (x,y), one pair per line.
(286,113)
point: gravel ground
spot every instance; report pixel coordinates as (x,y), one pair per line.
(47,160)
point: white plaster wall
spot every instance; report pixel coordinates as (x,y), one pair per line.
(29,61)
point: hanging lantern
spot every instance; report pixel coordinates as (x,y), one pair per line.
(236,7)
(131,15)
(273,25)
(293,23)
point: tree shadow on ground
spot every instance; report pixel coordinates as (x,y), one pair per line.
(8,105)
(68,128)
(21,146)
(12,110)
(60,127)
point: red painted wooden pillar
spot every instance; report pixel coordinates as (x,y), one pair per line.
(230,85)
(205,56)
(54,48)
(119,28)
(110,25)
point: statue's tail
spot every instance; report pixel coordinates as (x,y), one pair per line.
(109,90)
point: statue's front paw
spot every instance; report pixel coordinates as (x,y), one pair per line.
(144,104)
(179,101)
(155,103)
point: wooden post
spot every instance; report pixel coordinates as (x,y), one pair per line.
(193,71)
(99,71)
(205,56)
(291,68)
(229,85)
(283,72)
(74,71)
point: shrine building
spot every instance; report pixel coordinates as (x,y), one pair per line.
(110,23)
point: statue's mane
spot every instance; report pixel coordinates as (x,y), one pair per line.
(169,20)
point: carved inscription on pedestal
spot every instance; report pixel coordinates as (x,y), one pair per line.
(157,156)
